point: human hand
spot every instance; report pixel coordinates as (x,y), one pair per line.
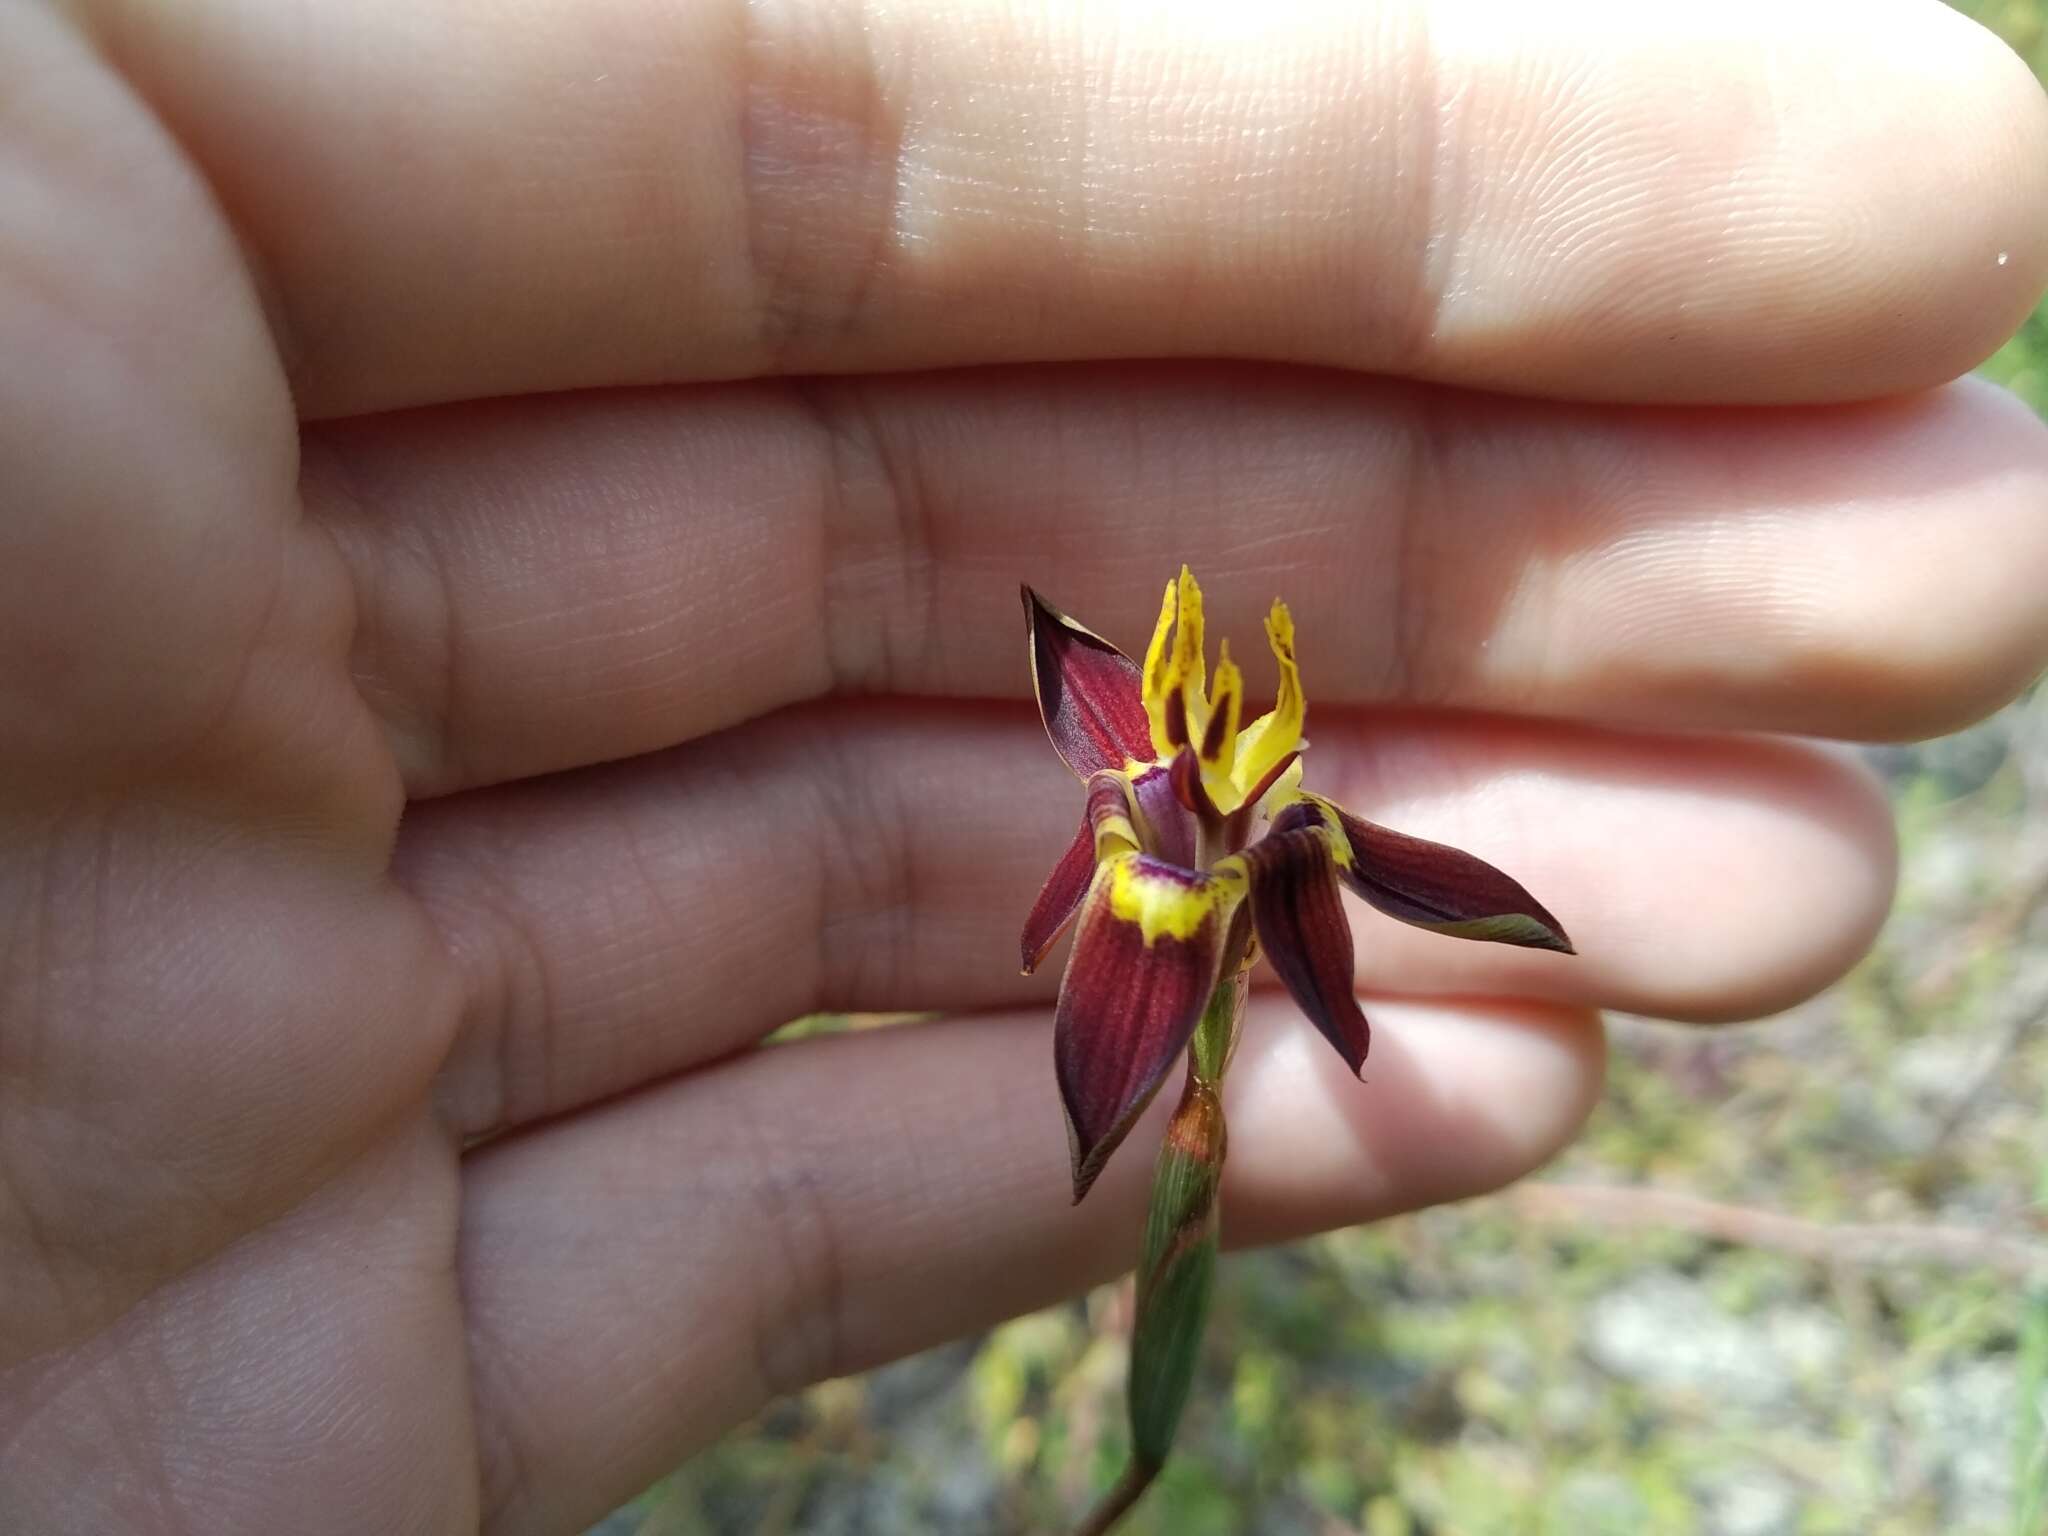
(704,699)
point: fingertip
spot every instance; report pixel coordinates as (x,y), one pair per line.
(1805,934)
(2012,109)
(1464,1098)
(1759,203)
(1790,897)
(1985,639)
(1965,236)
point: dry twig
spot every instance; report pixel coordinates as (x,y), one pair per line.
(1869,1243)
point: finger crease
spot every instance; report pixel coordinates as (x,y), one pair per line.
(799,1326)
(880,571)
(866,914)
(821,174)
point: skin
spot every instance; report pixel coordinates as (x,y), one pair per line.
(489,628)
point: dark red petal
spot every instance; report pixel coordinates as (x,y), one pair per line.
(1443,889)
(1168,830)
(1189,789)
(1273,773)
(1090,694)
(1302,813)
(1126,1011)
(1177,718)
(1239,825)
(1221,728)
(1301,926)
(1060,898)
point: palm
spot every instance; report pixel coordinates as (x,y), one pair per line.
(231,1210)
(362,1171)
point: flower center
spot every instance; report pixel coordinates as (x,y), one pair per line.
(1186,710)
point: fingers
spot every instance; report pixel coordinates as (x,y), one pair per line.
(197,1028)
(629,922)
(311,1378)
(543,584)
(195,807)
(1659,203)
(643,1276)
(144,426)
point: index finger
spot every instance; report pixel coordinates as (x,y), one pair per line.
(1746,201)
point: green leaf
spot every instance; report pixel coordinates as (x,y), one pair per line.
(1176,1270)
(1167,1345)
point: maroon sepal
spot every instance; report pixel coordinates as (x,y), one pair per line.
(1060,898)
(1443,889)
(1126,1011)
(1302,928)
(1090,694)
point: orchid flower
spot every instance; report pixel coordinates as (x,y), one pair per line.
(1167,884)
(1172,899)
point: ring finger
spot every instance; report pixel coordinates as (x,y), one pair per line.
(626,922)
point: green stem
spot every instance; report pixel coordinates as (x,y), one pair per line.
(1216,1035)
(1177,1261)
(1119,1500)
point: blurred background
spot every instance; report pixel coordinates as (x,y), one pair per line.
(1793,1281)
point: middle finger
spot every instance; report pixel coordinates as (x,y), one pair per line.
(545,584)
(627,922)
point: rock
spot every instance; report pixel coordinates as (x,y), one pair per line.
(1664,1332)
